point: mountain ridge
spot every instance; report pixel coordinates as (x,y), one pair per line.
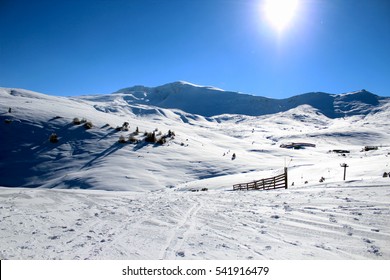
(209,101)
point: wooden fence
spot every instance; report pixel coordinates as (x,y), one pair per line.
(277,182)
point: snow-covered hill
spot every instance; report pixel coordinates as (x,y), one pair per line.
(331,219)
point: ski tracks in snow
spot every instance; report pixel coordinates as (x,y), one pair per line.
(180,233)
(306,223)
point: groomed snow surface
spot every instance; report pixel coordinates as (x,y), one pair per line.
(90,197)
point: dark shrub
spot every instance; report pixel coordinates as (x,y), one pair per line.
(132,139)
(162,140)
(76,121)
(122,139)
(53,138)
(88,125)
(151,137)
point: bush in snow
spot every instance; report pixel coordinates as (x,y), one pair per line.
(124,127)
(162,140)
(322,179)
(234,156)
(132,139)
(88,125)
(385,175)
(53,138)
(151,137)
(76,121)
(122,139)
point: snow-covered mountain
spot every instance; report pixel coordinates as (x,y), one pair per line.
(210,101)
(319,216)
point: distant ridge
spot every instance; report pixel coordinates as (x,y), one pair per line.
(209,101)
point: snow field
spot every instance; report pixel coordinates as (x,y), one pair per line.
(348,221)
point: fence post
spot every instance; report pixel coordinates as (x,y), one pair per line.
(285,177)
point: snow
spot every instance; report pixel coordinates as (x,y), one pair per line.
(90,197)
(341,221)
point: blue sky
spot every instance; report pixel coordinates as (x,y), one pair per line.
(75,47)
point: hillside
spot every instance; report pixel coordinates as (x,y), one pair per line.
(201,148)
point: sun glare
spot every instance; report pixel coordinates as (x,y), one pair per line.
(280,12)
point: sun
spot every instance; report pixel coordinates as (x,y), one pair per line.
(280,13)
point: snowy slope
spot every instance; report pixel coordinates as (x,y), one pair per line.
(202,147)
(333,221)
(159,216)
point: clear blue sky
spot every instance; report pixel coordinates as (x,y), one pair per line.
(75,47)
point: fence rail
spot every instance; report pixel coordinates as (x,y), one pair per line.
(277,182)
